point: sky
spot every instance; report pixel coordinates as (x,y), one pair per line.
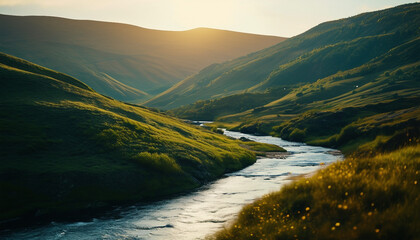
(284,18)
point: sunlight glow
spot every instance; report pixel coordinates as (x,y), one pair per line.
(270,17)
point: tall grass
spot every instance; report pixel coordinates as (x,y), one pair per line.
(358,198)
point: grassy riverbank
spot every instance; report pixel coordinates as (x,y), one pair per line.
(359,198)
(372,194)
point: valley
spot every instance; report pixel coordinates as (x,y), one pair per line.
(310,137)
(122,61)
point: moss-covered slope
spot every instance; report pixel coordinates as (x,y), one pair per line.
(65,148)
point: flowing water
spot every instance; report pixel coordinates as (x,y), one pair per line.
(202,212)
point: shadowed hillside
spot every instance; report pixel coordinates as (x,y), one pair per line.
(119,60)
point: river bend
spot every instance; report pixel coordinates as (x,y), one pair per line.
(201,212)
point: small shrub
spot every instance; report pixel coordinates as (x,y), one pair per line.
(217,130)
(297,135)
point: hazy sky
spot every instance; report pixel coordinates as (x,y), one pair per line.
(272,17)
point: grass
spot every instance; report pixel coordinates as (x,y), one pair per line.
(262,147)
(212,109)
(358,198)
(356,129)
(67,150)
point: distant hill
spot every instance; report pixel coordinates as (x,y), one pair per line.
(325,50)
(119,60)
(66,150)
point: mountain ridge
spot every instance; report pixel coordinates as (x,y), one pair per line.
(334,41)
(140,61)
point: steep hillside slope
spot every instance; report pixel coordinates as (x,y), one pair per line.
(325,50)
(122,61)
(66,150)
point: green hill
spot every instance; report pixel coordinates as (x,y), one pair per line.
(327,110)
(119,60)
(332,111)
(325,50)
(317,112)
(67,150)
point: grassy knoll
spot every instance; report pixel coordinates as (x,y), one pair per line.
(262,147)
(359,198)
(66,150)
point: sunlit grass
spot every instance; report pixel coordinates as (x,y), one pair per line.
(262,147)
(358,198)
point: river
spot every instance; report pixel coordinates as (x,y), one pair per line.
(201,212)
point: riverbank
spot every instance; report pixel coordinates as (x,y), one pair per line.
(359,198)
(200,212)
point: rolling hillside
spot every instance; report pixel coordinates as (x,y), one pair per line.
(66,150)
(119,60)
(333,110)
(369,109)
(377,101)
(325,50)
(372,114)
